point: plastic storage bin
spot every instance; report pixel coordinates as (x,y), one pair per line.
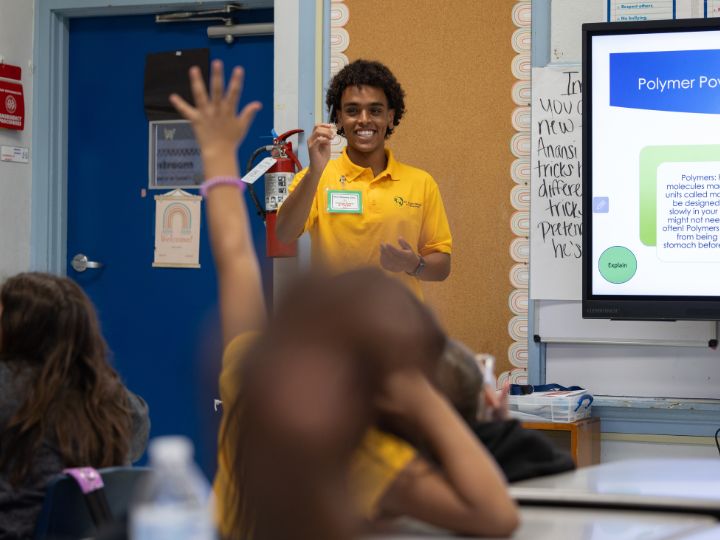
(555,406)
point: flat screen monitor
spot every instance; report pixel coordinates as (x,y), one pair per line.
(651,170)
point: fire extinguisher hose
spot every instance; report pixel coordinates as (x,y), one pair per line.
(251,189)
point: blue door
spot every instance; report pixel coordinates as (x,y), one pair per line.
(161,324)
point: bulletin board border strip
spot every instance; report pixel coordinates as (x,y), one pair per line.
(339,42)
(518,298)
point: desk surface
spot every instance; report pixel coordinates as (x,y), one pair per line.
(540,523)
(680,484)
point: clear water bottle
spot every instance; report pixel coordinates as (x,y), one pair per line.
(173,503)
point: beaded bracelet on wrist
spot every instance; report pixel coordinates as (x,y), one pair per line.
(220,181)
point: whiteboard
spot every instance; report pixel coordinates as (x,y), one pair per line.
(555,282)
(567,16)
(618,357)
(562,322)
(556,184)
(645,371)
(566,19)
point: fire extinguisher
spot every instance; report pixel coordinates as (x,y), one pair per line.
(277,181)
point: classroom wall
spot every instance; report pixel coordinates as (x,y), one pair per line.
(636,370)
(453,59)
(16,47)
(470,161)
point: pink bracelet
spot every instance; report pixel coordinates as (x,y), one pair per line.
(221,180)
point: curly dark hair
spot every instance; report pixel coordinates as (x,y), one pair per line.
(368,73)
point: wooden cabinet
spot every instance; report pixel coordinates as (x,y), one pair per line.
(581,438)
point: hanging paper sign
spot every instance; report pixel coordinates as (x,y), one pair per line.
(177,230)
(16,154)
(259,169)
(175,160)
(12,101)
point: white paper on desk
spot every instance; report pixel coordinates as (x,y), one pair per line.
(660,488)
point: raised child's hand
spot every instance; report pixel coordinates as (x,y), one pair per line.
(218,128)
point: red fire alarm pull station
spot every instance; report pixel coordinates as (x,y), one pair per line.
(12,102)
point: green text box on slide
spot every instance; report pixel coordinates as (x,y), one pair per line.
(650,158)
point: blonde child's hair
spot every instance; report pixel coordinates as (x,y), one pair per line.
(459,378)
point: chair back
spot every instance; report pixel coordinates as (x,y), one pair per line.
(65,514)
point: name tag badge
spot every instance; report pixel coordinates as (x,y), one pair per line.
(344,202)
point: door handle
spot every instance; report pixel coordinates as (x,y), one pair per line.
(80,263)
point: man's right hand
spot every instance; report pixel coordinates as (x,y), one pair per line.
(319,146)
(296,208)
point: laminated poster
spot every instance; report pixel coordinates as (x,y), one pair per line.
(177,230)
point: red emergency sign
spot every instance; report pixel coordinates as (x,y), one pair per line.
(12,102)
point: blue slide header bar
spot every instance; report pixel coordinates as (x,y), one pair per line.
(677,81)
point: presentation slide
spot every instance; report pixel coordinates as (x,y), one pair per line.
(656,164)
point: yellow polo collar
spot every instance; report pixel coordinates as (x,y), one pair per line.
(353,171)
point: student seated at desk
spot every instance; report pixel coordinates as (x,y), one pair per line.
(365,316)
(61,402)
(521,453)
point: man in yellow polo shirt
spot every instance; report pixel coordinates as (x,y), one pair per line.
(365,208)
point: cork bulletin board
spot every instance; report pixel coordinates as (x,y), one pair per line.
(455,61)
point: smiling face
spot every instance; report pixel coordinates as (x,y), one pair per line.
(365,116)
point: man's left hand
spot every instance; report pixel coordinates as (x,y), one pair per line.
(398,259)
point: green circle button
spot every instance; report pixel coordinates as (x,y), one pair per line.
(617,264)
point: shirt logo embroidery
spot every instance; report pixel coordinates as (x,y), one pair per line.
(402,202)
